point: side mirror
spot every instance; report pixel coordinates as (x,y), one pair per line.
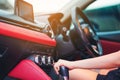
(24,10)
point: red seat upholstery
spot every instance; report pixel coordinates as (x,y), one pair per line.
(28,70)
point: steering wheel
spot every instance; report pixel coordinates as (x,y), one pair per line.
(85,33)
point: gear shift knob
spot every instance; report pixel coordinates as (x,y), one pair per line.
(64,72)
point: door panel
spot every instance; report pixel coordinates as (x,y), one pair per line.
(110,41)
(110,46)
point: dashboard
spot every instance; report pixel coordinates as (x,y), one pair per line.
(20,39)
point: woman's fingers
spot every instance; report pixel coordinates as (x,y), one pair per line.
(57,68)
(61,63)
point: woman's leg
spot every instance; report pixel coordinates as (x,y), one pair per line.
(87,74)
(105,71)
(82,74)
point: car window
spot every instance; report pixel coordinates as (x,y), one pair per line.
(105,18)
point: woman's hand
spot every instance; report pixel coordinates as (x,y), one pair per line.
(61,62)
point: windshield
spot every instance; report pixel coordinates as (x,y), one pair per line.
(47,6)
(7,5)
(52,6)
(39,6)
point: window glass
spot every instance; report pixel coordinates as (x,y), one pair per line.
(39,6)
(105,18)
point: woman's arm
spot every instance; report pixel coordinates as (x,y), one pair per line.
(111,60)
(107,61)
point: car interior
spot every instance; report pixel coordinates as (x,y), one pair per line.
(31,42)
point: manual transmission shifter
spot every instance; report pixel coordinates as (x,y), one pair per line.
(64,72)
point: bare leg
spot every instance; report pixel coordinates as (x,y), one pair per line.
(82,74)
(105,71)
(86,74)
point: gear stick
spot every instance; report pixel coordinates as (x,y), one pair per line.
(64,72)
